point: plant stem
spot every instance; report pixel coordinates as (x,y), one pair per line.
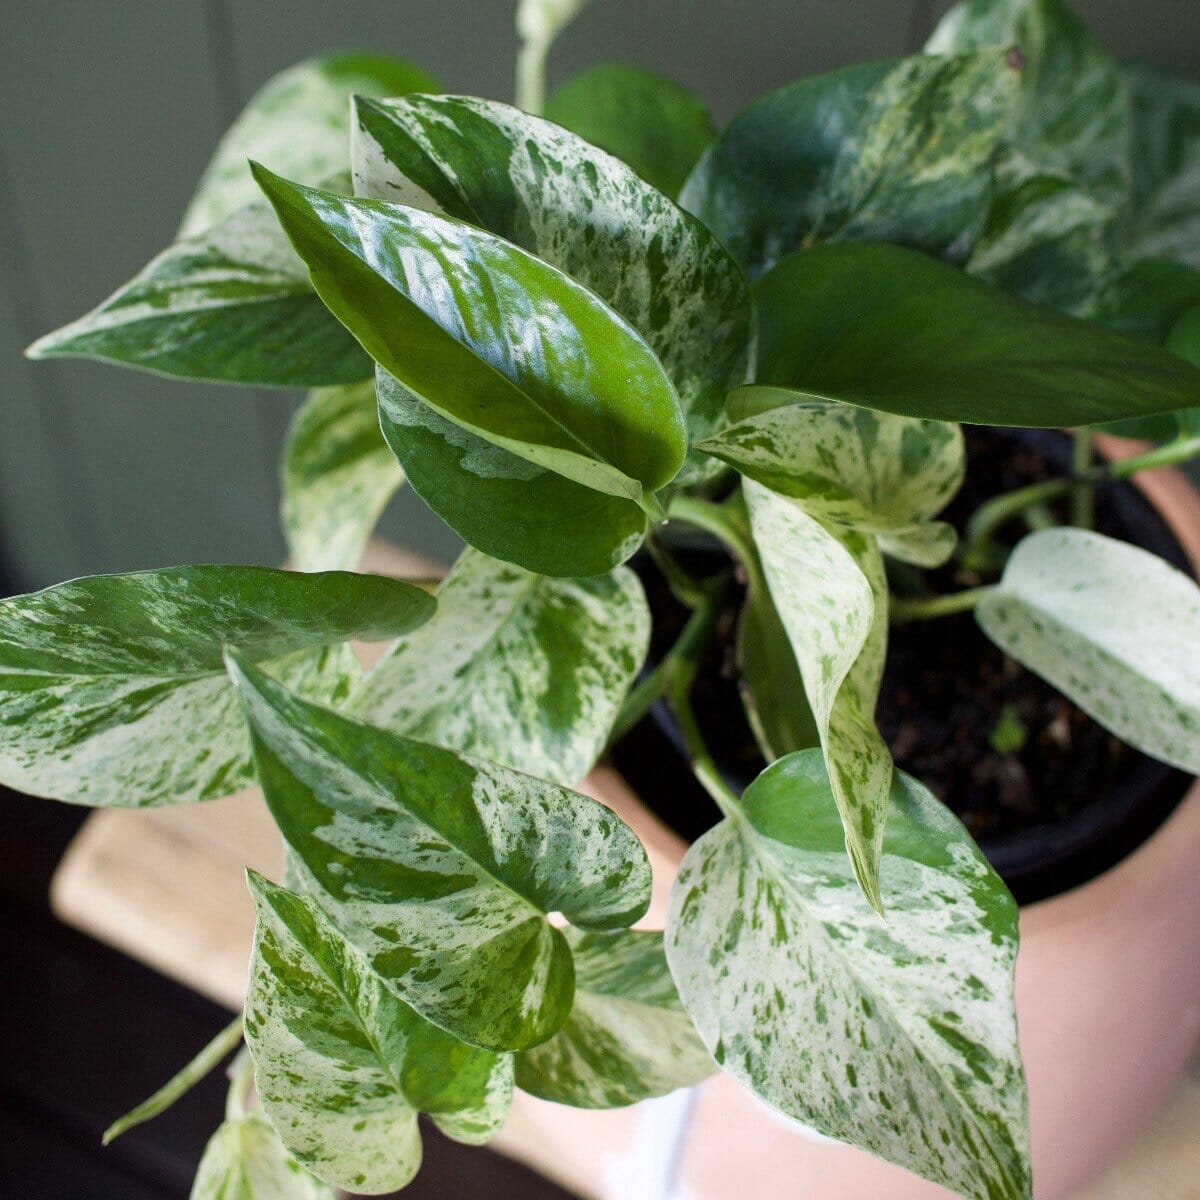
(925,608)
(1083,494)
(689,591)
(241,1080)
(726,522)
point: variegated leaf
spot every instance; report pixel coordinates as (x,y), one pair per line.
(342,1065)
(245,1160)
(515,667)
(896,1036)
(337,476)
(829,588)
(113,691)
(1113,627)
(627,1037)
(442,869)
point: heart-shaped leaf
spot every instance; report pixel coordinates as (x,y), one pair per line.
(113,691)
(337,475)
(515,667)
(442,869)
(897,151)
(627,1037)
(1113,627)
(342,1065)
(899,1037)
(245,1160)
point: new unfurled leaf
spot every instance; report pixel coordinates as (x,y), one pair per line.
(1113,627)
(515,667)
(627,1037)
(342,1065)
(245,1160)
(336,476)
(898,1037)
(442,869)
(897,151)
(113,691)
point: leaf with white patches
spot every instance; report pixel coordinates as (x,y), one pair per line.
(337,476)
(113,690)
(342,1065)
(517,668)
(627,1038)
(1114,628)
(442,869)
(245,1160)
(829,589)
(899,1036)
(898,151)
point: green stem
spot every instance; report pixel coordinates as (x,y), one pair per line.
(726,522)
(925,608)
(531,76)
(1083,494)
(690,592)
(241,1080)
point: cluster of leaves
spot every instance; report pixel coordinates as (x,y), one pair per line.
(564,332)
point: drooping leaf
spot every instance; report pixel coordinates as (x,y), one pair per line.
(441,869)
(1113,627)
(627,1037)
(887,328)
(828,587)
(245,1160)
(342,1065)
(656,126)
(898,1037)
(113,690)
(232,303)
(297,124)
(496,340)
(897,151)
(515,667)
(336,477)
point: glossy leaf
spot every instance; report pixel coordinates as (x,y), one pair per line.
(337,476)
(828,586)
(113,691)
(342,1065)
(886,328)
(656,126)
(441,869)
(627,1037)
(898,151)
(898,1037)
(245,1160)
(297,124)
(492,338)
(1114,628)
(515,667)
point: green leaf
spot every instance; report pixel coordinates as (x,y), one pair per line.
(898,1037)
(1114,628)
(828,586)
(297,125)
(441,869)
(492,338)
(897,151)
(627,1038)
(336,477)
(113,690)
(659,128)
(342,1065)
(886,328)
(517,668)
(245,1160)
(232,304)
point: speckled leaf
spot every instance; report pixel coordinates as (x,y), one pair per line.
(440,868)
(245,1160)
(297,124)
(113,691)
(887,328)
(627,1038)
(336,477)
(498,341)
(232,304)
(1113,627)
(342,1065)
(828,586)
(896,151)
(515,667)
(659,128)
(899,1037)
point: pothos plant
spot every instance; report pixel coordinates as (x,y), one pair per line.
(571,327)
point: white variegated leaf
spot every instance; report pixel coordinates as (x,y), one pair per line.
(245,1160)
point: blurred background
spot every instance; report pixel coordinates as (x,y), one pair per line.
(111,109)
